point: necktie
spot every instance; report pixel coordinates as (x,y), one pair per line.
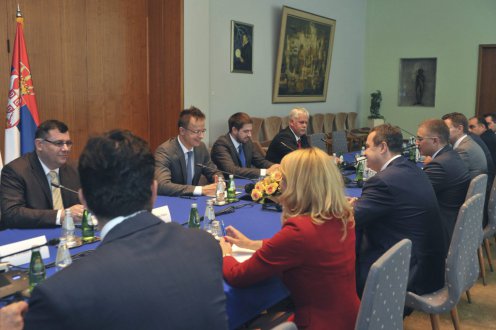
(298,143)
(242,157)
(56,196)
(189,168)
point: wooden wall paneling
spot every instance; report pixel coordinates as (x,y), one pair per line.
(165,21)
(486,81)
(5,59)
(117,63)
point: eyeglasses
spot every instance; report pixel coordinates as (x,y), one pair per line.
(197,132)
(422,138)
(471,126)
(60,143)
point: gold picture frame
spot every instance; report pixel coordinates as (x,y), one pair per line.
(304,57)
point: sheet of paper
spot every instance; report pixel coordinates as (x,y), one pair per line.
(163,213)
(24,257)
(241,254)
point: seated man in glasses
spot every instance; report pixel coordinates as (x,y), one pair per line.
(28,198)
(181,161)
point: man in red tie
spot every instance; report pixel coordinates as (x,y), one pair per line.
(291,138)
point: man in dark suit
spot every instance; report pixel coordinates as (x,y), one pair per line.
(234,152)
(399,202)
(181,161)
(145,274)
(27,198)
(479,126)
(291,138)
(489,118)
(447,172)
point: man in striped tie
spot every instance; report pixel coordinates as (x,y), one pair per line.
(29,196)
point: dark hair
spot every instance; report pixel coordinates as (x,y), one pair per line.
(389,134)
(238,120)
(48,125)
(492,115)
(481,121)
(186,114)
(438,128)
(457,119)
(116,172)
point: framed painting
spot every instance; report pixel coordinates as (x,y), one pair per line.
(417,86)
(241,47)
(304,57)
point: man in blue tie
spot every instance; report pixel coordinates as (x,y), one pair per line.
(181,161)
(235,153)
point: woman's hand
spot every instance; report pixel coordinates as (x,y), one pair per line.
(234,236)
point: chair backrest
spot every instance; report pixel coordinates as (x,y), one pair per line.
(285,326)
(490,228)
(383,298)
(329,122)
(339,142)
(477,185)
(318,140)
(462,265)
(257,125)
(271,126)
(318,123)
(340,121)
(351,120)
(284,122)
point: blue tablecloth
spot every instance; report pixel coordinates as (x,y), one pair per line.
(242,303)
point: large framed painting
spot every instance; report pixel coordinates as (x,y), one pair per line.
(304,57)
(241,47)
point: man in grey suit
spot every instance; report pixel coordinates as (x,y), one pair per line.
(234,152)
(181,161)
(446,171)
(469,151)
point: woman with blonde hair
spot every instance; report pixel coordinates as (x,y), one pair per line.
(314,252)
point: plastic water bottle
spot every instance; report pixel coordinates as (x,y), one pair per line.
(209,216)
(63,256)
(68,228)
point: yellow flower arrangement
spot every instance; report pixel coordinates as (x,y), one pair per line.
(268,186)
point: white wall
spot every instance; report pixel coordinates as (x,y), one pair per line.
(209,84)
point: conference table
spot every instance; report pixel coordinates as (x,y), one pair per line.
(243,304)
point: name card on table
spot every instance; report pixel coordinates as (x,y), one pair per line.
(23,257)
(163,213)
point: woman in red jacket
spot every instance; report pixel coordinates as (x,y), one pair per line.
(314,252)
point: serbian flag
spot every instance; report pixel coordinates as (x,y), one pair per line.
(22,112)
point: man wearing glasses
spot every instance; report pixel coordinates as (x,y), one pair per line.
(28,198)
(181,161)
(447,172)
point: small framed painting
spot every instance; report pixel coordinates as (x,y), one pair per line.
(241,47)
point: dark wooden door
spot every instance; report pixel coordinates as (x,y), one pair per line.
(486,83)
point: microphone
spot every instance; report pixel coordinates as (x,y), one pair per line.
(63,187)
(52,242)
(228,173)
(290,148)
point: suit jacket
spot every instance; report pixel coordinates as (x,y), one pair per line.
(450,179)
(145,274)
(170,168)
(490,140)
(399,202)
(316,265)
(277,150)
(473,156)
(226,157)
(26,197)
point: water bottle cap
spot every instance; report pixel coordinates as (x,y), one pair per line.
(194,205)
